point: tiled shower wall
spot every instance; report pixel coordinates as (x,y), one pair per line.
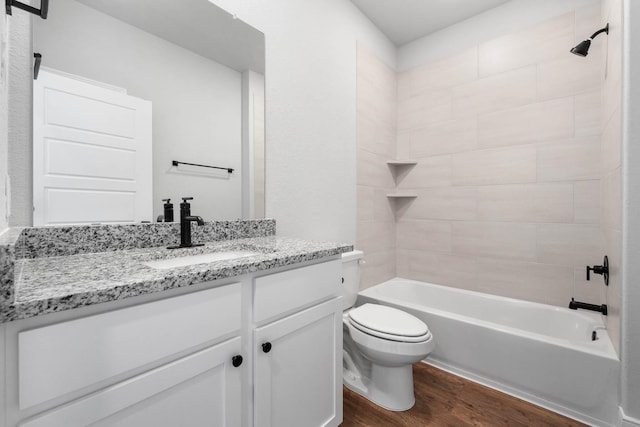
(376,136)
(611,161)
(507,135)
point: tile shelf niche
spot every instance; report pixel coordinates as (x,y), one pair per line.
(402,162)
(395,164)
(402,195)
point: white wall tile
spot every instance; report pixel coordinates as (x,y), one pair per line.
(450,136)
(611,146)
(436,267)
(526,203)
(376,137)
(376,236)
(568,76)
(372,171)
(588,114)
(539,42)
(365,206)
(494,239)
(426,107)
(547,284)
(383,207)
(612,201)
(570,160)
(495,166)
(378,267)
(569,244)
(445,73)
(450,203)
(429,172)
(424,235)
(587,199)
(510,147)
(531,123)
(497,92)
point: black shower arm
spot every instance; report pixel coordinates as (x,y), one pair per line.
(602,30)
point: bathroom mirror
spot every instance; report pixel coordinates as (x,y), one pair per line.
(202,72)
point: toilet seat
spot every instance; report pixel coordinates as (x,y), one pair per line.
(388,323)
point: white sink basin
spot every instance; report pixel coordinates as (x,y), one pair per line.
(198,259)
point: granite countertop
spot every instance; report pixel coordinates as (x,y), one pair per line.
(51,284)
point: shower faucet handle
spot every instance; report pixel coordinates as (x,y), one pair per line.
(603,270)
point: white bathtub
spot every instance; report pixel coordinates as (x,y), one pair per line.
(540,353)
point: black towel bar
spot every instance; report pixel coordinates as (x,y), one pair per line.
(176,163)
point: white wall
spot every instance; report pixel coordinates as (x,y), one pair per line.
(19,158)
(196,101)
(631,213)
(507,18)
(310,110)
(252,145)
(4,140)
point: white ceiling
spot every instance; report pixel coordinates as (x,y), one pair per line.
(407,20)
(196,25)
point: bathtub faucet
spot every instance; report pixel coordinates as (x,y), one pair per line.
(574,305)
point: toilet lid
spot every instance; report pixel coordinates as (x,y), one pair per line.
(388,322)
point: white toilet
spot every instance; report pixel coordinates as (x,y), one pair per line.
(380,345)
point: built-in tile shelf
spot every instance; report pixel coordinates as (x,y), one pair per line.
(402,162)
(402,195)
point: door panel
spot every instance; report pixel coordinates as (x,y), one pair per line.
(91,154)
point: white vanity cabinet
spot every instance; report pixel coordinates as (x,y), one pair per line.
(148,364)
(295,374)
(298,358)
(191,359)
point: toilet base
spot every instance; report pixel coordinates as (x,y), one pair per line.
(388,387)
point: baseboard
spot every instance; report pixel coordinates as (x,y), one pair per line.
(625,420)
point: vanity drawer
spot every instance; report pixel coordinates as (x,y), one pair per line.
(285,292)
(67,357)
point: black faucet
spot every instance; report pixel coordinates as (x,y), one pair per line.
(185,225)
(574,305)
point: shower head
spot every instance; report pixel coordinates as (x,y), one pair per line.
(582,48)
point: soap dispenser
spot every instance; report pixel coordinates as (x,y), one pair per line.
(168,210)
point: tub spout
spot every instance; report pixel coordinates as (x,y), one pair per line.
(574,305)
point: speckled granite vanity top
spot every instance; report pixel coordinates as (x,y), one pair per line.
(46,284)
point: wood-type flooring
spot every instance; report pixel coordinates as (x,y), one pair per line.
(444,399)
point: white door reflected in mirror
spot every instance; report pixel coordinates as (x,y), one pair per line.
(202,70)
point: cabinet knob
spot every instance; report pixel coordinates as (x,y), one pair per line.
(266,347)
(236,361)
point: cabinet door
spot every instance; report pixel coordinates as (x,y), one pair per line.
(62,359)
(203,389)
(298,369)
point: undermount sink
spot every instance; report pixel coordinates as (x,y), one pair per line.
(185,261)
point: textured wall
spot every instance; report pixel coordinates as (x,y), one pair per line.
(4,138)
(19,126)
(310,110)
(376,136)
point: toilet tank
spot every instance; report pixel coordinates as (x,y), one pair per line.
(350,277)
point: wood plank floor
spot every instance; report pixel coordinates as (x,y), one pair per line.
(444,399)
